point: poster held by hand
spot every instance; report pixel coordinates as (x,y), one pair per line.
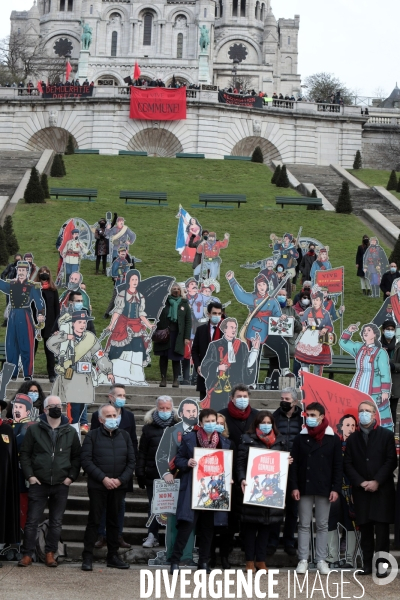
(212,479)
(266,478)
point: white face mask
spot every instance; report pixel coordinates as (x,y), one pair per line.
(305,301)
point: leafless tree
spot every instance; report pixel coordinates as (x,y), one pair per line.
(321,86)
(242,82)
(388,152)
(24,57)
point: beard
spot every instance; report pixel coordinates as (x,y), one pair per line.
(73,287)
(191,422)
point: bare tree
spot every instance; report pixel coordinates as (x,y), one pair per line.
(242,82)
(322,86)
(388,152)
(24,57)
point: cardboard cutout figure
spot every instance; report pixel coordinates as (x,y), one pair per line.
(71,250)
(187,227)
(166,452)
(313,346)
(285,251)
(210,259)
(375,265)
(129,344)
(372,367)
(261,307)
(227,363)
(270,275)
(20,335)
(74,285)
(119,235)
(390,309)
(33,270)
(76,376)
(120,266)
(321,264)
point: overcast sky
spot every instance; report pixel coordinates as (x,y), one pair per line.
(357,40)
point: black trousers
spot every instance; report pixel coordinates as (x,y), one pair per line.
(222,540)
(382,540)
(104,259)
(50,357)
(176,367)
(98,501)
(204,525)
(279,345)
(38,496)
(255,539)
(393,408)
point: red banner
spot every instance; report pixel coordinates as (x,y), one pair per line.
(212,464)
(339,400)
(266,464)
(332,280)
(158,104)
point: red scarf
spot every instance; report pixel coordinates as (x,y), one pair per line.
(319,431)
(203,440)
(217,333)
(45,285)
(268,439)
(235,413)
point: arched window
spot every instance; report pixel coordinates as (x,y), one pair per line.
(62,5)
(70,5)
(114,42)
(262,11)
(288,65)
(235,8)
(288,40)
(257,11)
(91,9)
(179,46)
(147,27)
(221,7)
(242,8)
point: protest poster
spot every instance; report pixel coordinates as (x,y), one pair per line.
(212,479)
(165,497)
(266,478)
(331,279)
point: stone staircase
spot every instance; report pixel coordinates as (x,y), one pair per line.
(329,183)
(13,165)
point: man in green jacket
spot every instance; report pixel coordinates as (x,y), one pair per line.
(50,460)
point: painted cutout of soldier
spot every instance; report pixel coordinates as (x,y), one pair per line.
(269,273)
(28,256)
(321,264)
(72,253)
(20,335)
(375,265)
(209,250)
(285,251)
(391,306)
(120,266)
(119,235)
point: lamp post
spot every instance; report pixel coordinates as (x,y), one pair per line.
(234,71)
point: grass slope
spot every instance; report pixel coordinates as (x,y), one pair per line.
(374,177)
(250,226)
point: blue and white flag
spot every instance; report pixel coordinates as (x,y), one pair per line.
(184,218)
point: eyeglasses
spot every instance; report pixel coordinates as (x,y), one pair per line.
(54,406)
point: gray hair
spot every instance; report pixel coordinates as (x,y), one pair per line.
(292,391)
(100,411)
(48,398)
(165,399)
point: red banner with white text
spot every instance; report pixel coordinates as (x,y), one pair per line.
(158,104)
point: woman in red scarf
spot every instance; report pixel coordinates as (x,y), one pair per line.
(263,433)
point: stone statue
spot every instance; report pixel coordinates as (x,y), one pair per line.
(204,38)
(86,37)
(256,127)
(53,118)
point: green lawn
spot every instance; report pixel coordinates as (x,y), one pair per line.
(374,177)
(250,226)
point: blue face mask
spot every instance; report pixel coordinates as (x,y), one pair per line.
(164,416)
(242,403)
(280,269)
(281,300)
(365,417)
(312,422)
(120,402)
(388,334)
(209,427)
(265,427)
(111,424)
(215,319)
(78,305)
(33,396)
(219,428)
(393,269)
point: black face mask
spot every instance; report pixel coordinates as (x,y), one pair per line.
(311,250)
(205,237)
(55,413)
(44,277)
(285,406)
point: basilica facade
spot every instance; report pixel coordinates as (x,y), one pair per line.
(246,41)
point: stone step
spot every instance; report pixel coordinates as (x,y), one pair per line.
(134,503)
(74,518)
(79,489)
(132,535)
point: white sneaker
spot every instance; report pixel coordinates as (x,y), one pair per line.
(302,567)
(323,567)
(150,542)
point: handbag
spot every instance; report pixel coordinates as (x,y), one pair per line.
(160,336)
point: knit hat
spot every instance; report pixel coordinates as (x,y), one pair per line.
(388,323)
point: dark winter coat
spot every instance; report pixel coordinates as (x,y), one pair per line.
(200,344)
(317,468)
(290,312)
(306,264)
(373,461)
(288,427)
(249,513)
(9,489)
(127,423)
(10,272)
(387,281)
(195,241)
(50,463)
(102,245)
(184,511)
(236,427)
(108,454)
(393,351)
(52,303)
(360,260)
(184,327)
(146,467)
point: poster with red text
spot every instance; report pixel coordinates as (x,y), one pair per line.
(331,279)
(158,104)
(266,478)
(212,479)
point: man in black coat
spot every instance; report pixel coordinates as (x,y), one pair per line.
(205,334)
(108,458)
(126,421)
(307,262)
(369,462)
(388,278)
(315,478)
(9,490)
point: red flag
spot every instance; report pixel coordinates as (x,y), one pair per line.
(331,279)
(268,463)
(158,104)
(137,71)
(211,464)
(39,87)
(67,236)
(68,70)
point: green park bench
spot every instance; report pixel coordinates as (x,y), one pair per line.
(315,203)
(229,157)
(132,153)
(188,155)
(86,151)
(2,354)
(149,197)
(341,364)
(225,199)
(75,194)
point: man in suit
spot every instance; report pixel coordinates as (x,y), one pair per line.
(227,363)
(206,333)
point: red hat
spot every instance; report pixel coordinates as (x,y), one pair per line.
(23,399)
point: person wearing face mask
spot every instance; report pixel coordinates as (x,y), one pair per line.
(315,479)
(102,245)
(51,300)
(108,459)
(35,392)
(204,335)
(159,418)
(365,285)
(202,521)
(306,288)
(126,421)
(388,279)
(257,520)
(175,317)
(304,302)
(369,462)
(281,273)
(307,262)
(50,461)
(392,347)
